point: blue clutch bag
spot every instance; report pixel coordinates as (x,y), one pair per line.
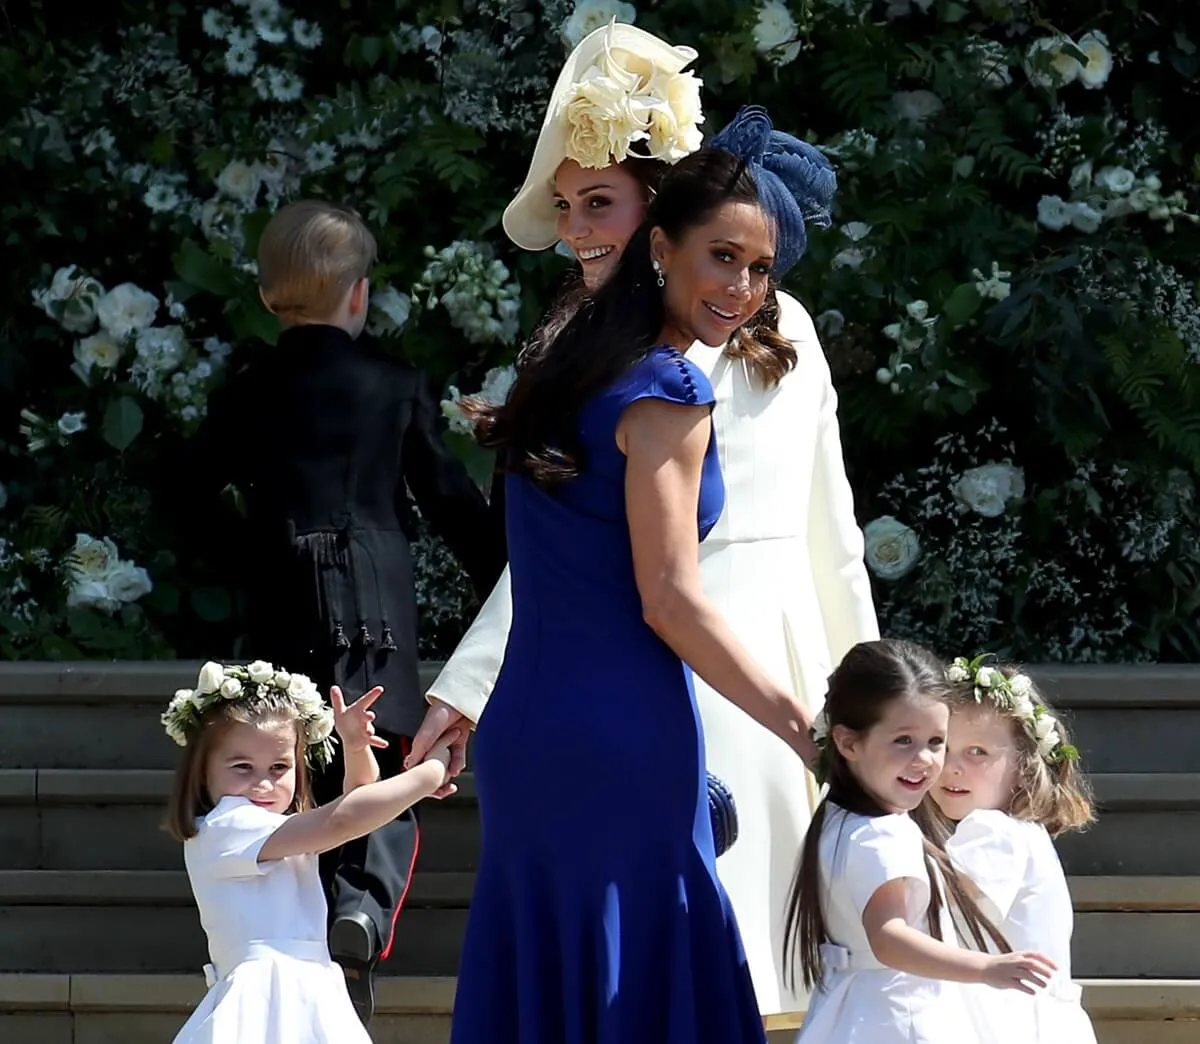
(723,813)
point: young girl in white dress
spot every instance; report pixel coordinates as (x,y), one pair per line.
(1011,783)
(868,913)
(242,805)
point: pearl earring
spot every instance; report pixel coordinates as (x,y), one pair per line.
(662,279)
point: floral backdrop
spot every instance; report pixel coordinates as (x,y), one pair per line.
(1008,297)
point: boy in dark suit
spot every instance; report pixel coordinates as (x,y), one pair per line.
(324,438)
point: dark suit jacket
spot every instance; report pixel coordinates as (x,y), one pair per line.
(322,435)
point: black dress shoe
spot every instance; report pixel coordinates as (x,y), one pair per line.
(352,943)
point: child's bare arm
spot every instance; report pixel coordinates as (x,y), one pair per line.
(362,810)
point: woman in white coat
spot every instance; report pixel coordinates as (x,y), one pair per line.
(784,564)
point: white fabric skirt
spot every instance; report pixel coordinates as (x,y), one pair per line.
(277,992)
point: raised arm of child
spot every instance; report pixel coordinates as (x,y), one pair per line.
(899,945)
(362,810)
(355,727)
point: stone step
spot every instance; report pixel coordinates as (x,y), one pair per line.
(96,819)
(1136,718)
(148,1009)
(136,921)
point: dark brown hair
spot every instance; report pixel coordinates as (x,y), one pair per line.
(871,676)
(190,799)
(1058,795)
(589,342)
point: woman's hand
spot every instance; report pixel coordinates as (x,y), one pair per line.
(1024,970)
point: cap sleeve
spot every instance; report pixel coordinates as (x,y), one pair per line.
(669,375)
(887,848)
(230,838)
(992,849)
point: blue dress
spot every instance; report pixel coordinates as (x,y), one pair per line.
(597,916)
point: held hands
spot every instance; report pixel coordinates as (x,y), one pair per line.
(1024,970)
(442,753)
(439,721)
(356,724)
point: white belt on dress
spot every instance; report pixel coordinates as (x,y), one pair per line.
(835,958)
(301,949)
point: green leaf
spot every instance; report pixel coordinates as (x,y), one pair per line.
(122,423)
(198,267)
(954,13)
(248,319)
(962,304)
(211,604)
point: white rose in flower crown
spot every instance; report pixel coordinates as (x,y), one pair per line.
(1045,725)
(212,674)
(1048,742)
(987,489)
(230,688)
(892,548)
(957,672)
(1022,707)
(320,726)
(300,686)
(1021,685)
(282,680)
(260,672)
(986,677)
(125,309)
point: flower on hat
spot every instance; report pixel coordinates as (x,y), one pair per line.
(624,101)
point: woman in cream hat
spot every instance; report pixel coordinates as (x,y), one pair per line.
(784,564)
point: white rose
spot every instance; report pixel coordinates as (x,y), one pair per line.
(1048,742)
(987,489)
(260,672)
(1053,213)
(240,181)
(892,549)
(1099,60)
(1022,707)
(100,351)
(1020,684)
(986,677)
(300,686)
(320,726)
(956,672)
(230,688)
(1116,179)
(391,310)
(590,15)
(93,559)
(212,674)
(174,732)
(1084,217)
(125,309)
(129,582)
(1045,725)
(775,27)
(282,680)
(91,594)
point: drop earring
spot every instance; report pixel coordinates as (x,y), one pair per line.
(662,279)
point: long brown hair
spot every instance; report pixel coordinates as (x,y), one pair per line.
(584,347)
(190,799)
(870,677)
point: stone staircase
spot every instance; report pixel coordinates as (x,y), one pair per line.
(99,942)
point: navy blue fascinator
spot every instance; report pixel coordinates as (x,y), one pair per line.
(795,181)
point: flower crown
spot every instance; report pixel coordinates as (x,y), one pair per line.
(233,684)
(626,100)
(1015,696)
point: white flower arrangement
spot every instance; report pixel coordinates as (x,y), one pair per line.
(475,288)
(219,683)
(100,578)
(1014,695)
(497,383)
(624,105)
(892,548)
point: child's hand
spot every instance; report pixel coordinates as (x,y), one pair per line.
(356,724)
(442,752)
(1024,970)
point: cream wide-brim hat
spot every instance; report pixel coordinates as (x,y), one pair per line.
(530,220)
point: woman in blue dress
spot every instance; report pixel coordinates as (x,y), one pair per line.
(597,916)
